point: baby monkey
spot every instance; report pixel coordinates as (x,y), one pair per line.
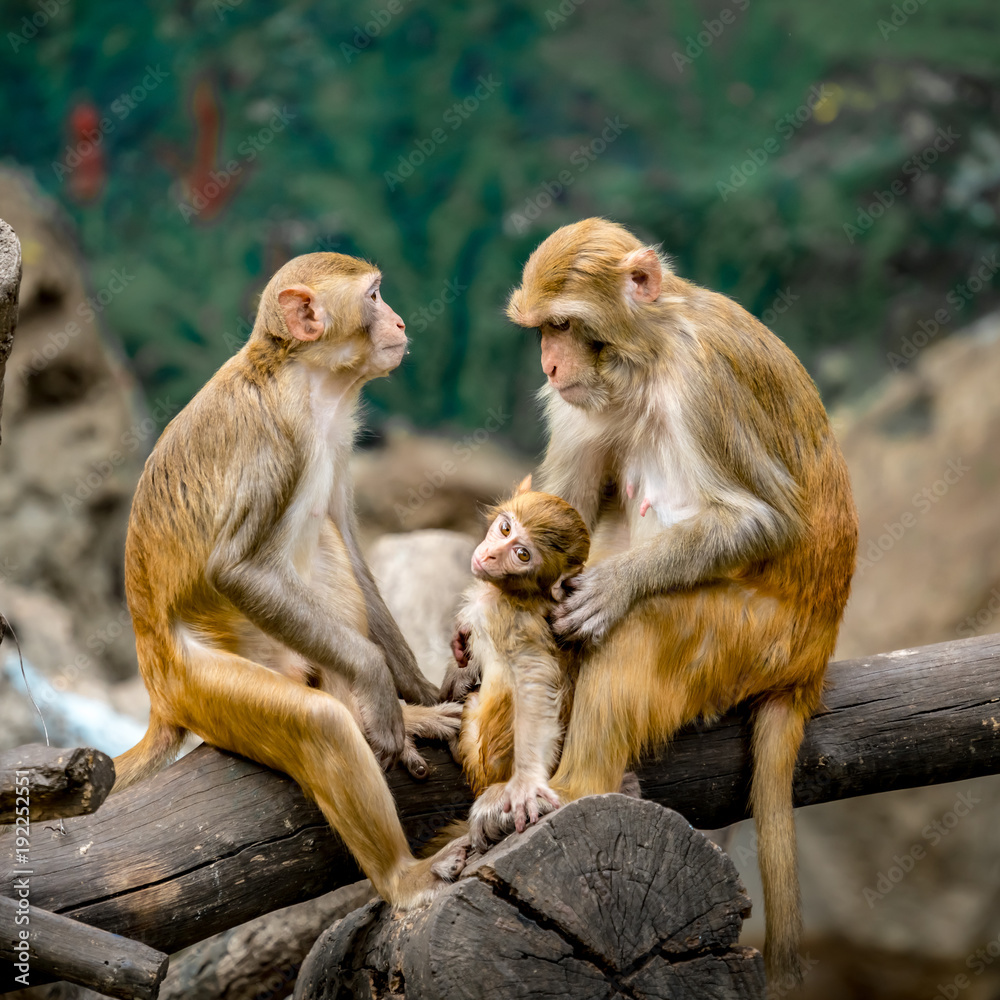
(512,726)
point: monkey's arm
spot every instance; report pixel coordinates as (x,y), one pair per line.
(741,519)
(538,694)
(385,633)
(250,568)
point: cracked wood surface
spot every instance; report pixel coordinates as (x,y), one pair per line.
(608,897)
(216,840)
(69,782)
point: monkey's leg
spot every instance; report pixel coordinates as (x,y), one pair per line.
(241,706)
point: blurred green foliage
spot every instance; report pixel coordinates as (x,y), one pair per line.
(717,154)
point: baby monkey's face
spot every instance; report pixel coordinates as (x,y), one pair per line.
(507,550)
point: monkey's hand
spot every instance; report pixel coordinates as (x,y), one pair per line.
(464,673)
(596,601)
(381,717)
(503,808)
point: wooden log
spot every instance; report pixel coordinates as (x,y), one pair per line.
(10,286)
(53,783)
(261,958)
(66,949)
(216,840)
(610,896)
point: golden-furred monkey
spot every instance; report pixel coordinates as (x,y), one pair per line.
(512,726)
(697,450)
(258,625)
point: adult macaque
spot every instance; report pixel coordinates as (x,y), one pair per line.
(512,726)
(258,625)
(698,452)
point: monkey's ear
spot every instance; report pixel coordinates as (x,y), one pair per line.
(524,486)
(644,275)
(304,314)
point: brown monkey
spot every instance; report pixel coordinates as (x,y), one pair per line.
(258,625)
(698,452)
(512,727)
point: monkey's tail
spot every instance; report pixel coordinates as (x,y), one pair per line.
(158,747)
(777,736)
(455,829)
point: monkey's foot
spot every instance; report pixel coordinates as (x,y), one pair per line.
(501,809)
(427,877)
(434,722)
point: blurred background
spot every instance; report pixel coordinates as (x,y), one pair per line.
(835,168)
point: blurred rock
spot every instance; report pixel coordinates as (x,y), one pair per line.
(417,481)
(924,455)
(421,576)
(74,437)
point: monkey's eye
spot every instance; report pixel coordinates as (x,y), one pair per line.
(505,528)
(374,296)
(523,554)
(564,325)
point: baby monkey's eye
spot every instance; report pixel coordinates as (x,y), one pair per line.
(374,296)
(564,325)
(505,528)
(523,554)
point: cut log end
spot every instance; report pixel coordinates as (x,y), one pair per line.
(608,896)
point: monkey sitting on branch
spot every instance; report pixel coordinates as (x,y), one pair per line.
(698,453)
(512,726)
(258,624)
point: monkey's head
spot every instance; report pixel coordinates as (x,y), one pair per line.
(535,542)
(592,289)
(327,310)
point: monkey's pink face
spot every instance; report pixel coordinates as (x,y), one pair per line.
(385,328)
(569,363)
(507,550)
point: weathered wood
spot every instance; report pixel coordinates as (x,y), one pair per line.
(66,949)
(10,286)
(611,896)
(262,957)
(217,840)
(60,783)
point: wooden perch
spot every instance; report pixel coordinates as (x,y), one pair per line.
(610,896)
(59,782)
(216,840)
(10,286)
(260,958)
(66,949)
